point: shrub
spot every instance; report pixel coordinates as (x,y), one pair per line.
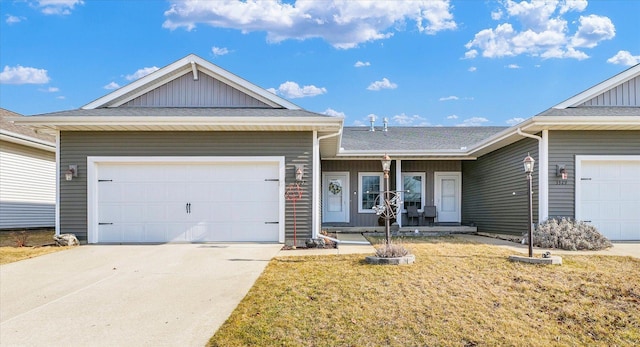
(568,234)
(391,251)
(20,237)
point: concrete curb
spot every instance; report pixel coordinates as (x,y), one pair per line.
(553,260)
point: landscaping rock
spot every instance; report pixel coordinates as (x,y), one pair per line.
(315,243)
(66,240)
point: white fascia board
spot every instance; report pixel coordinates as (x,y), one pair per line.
(27,141)
(600,88)
(167,73)
(550,121)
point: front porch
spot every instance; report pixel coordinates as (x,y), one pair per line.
(431,230)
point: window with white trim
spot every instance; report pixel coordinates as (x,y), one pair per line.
(369,187)
(413,184)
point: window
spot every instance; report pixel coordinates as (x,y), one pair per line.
(414,189)
(370,186)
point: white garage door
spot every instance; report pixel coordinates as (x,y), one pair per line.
(608,190)
(187,202)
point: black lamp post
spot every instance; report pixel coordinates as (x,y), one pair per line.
(528,169)
(386,167)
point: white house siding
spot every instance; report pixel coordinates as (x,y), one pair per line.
(27,187)
(625,94)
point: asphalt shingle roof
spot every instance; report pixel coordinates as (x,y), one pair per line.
(593,111)
(21,129)
(415,138)
(184,112)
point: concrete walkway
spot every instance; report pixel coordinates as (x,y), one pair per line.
(343,248)
(631,249)
(127,295)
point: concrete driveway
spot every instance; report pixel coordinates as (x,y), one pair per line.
(127,295)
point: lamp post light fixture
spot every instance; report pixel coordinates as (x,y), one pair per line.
(386,167)
(528,169)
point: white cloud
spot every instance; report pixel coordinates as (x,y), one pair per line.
(334,113)
(292,90)
(473,122)
(218,51)
(343,24)
(111,86)
(624,58)
(472,69)
(383,84)
(497,14)
(61,97)
(362,64)
(538,28)
(513,66)
(406,120)
(514,121)
(23,75)
(448,98)
(453,116)
(13,19)
(592,30)
(57,7)
(51,90)
(141,73)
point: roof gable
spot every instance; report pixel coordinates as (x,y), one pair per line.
(203,77)
(622,89)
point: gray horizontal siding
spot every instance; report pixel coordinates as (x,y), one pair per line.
(27,187)
(296,147)
(489,184)
(206,91)
(625,94)
(565,145)
(355,166)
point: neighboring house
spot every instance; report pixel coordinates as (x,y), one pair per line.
(27,176)
(192,152)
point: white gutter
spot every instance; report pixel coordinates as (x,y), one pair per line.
(317,209)
(27,141)
(543,172)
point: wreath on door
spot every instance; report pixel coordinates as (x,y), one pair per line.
(335,188)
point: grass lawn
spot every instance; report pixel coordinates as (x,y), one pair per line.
(456,294)
(36,244)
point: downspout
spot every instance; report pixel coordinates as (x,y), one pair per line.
(57,208)
(543,172)
(315,220)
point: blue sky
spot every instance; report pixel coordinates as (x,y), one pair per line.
(432,62)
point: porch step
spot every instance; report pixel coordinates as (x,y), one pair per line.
(406,231)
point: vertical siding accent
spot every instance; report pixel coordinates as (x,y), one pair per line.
(75,147)
(356,166)
(204,92)
(625,94)
(27,187)
(565,145)
(488,185)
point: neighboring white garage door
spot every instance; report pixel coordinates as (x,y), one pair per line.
(187,201)
(608,194)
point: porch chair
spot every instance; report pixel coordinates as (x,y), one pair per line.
(412,213)
(430,212)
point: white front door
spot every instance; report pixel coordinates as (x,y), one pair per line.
(335,197)
(447,193)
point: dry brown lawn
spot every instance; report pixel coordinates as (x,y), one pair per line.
(456,294)
(38,242)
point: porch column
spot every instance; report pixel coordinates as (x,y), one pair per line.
(399,187)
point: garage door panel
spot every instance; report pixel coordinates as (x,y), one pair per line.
(188,202)
(609,197)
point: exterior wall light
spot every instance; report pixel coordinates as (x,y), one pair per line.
(299,172)
(71,173)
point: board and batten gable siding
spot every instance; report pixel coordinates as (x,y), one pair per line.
(27,187)
(563,148)
(76,146)
(489,184)
(625,94)
(184,91)
(355,166)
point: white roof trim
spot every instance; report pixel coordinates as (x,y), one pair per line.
(600,88)
(26,141)
(171,71)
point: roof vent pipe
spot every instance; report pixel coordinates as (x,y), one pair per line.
(372,121)
(385,121)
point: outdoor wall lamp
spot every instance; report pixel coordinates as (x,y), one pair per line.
(71,173)
(299,172)
(561,171)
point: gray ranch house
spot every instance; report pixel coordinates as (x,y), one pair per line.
(194,153)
